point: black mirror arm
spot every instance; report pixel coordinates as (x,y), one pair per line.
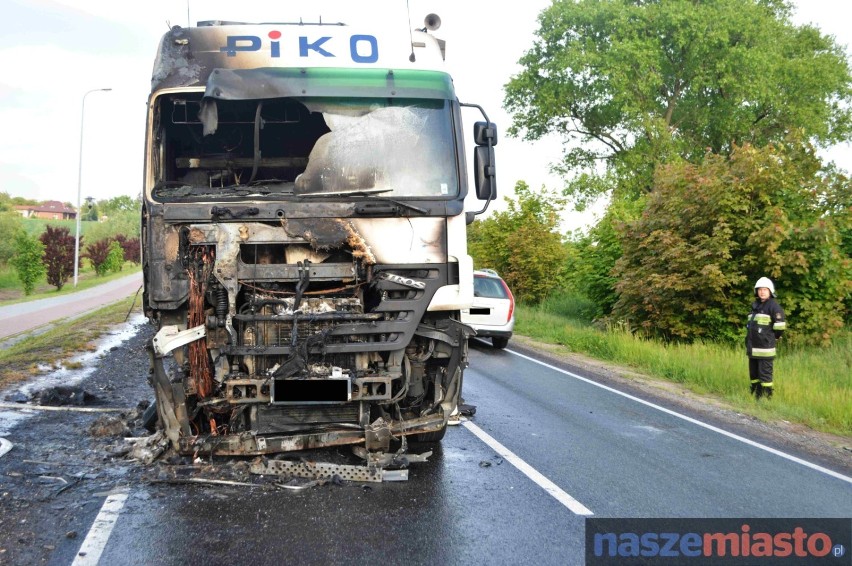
(478,107)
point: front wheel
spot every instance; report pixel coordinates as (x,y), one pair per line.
(499,342)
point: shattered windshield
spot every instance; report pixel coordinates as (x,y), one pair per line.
(405,149)
(322,146)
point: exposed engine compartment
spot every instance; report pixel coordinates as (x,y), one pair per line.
(319,345)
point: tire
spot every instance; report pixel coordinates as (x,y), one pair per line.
(499,342)
(435,436)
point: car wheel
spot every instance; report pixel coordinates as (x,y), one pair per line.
(499,342)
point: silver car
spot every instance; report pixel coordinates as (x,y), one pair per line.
(492,314)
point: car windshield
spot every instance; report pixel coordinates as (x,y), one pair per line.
(489,288)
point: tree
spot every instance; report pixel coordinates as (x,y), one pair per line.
(10,224)
(631,85)
(122,203)
(523,243)
(58,254)
(27,261)
(8,202)
(710,231)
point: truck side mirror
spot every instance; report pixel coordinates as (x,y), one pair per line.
(485,174)
(483,132)
(484,166)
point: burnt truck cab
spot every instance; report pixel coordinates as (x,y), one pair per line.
(304,237)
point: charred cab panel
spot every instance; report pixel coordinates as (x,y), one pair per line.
(295,237)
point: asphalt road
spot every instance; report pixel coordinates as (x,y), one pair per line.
(565,445)
(22,317)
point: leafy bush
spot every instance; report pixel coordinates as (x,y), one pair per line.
(115,257)
(27,261)
(710,231)
(10,224)
(131,248)
(58,254)
(98,254)
(593,256)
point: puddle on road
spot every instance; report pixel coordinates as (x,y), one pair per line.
(9,419)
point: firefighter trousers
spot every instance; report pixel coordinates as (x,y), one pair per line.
(760,370)
(761,377)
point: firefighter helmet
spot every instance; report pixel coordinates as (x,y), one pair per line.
(764,282)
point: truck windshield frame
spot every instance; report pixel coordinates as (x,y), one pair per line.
(305,133)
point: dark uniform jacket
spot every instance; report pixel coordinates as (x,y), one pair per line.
(766,323)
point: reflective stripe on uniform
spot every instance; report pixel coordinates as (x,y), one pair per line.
(762,352)
(779,325)
(763,319)
(768,384)
(755,381)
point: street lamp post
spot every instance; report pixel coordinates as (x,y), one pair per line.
(80,183)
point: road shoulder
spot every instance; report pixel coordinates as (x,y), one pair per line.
(831,451)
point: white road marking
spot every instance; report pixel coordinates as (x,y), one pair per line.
(5,446)
(742,439)
(575,506)
(92,548)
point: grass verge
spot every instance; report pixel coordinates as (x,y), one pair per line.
(813,385)
(53,349)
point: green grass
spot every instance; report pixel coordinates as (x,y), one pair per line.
(813,385)
(40,353)
(8,278)
(35,226)
(11,291)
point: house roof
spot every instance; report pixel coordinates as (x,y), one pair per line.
(48,206)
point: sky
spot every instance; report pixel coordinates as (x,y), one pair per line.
(53,51)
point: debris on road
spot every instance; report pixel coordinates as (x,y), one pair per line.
(109,426)
(146,449)
(63,396)
(467,410)
(17,397)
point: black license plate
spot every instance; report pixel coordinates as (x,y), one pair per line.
(310,390)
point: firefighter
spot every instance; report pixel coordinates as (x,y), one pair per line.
(766,324)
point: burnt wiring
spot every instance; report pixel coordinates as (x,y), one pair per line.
(302,285)
(198,272)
